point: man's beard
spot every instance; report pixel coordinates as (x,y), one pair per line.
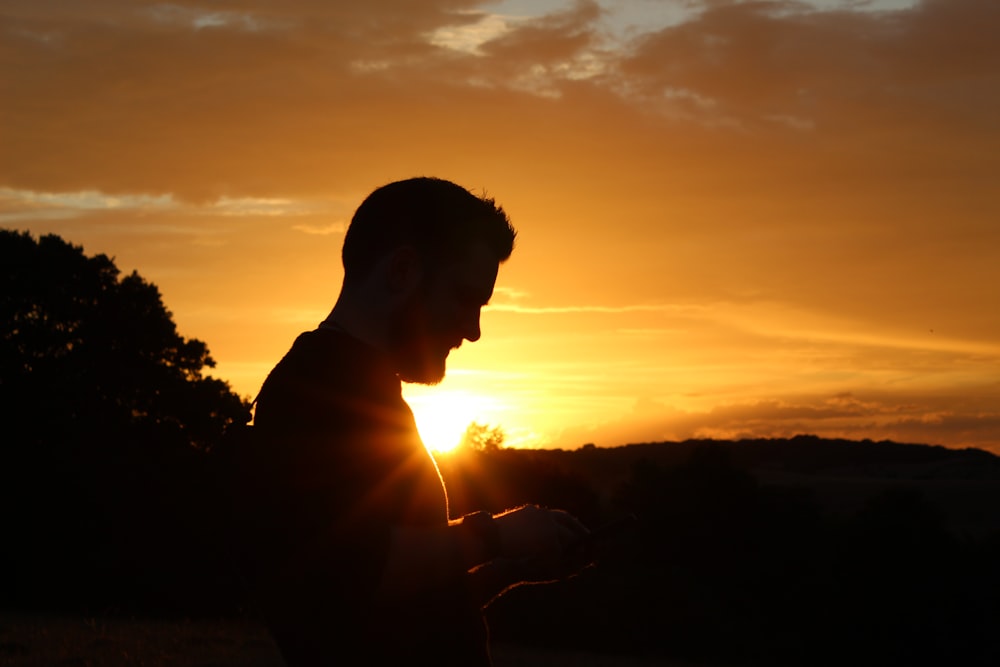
(418,355)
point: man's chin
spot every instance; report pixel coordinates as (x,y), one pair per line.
(429,373)
(426,379)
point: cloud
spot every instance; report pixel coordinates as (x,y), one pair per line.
(27,205)
(199,18)
(287,100)
(475,30)
(23,205)
(260,206)
(915,418)
(838,70)
(759,322)
(506,293)
(120,98)
(540,55)
(688,310)
(338,227)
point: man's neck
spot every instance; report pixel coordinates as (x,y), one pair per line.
(331,325)
(346,320)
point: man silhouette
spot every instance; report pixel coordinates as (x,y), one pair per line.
(350,549)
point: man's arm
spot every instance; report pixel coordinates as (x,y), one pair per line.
(423,557)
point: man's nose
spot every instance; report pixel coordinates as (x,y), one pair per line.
(471,330)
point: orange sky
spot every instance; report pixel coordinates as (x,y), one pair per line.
(736,218)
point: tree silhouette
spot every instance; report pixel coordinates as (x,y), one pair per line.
(108,418)
(482,438)
(90,357)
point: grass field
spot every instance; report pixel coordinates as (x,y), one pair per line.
(39,640)
(42,640)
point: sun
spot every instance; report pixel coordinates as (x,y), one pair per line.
(443,416)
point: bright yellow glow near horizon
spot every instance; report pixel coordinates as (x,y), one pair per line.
(442,416)
(443,419)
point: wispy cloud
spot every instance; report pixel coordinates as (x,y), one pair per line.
(20,205)
(260,206)
(17,205)
(511,293)
(673,309)
(197,18)
(922,418)
(338,227)
(475,30)
(785,326)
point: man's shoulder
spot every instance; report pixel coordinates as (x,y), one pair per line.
(326,354)
(325,368)
(312,347)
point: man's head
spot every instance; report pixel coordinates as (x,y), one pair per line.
(434,249)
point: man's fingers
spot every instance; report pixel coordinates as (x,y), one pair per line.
(570,531)
(570,522)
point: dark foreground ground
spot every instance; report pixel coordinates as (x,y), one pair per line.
(41,640)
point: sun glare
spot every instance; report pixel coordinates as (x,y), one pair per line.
(443,416)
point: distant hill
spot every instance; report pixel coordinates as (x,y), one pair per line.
(963,485)
(806,454)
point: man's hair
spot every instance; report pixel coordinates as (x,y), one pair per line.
(439,219)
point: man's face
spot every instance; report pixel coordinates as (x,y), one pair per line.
(441,313)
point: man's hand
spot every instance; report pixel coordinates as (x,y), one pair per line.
(537,546)
(543,541)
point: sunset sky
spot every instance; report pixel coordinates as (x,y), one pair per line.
(736,219)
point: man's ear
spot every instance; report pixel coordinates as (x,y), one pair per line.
(405,270)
